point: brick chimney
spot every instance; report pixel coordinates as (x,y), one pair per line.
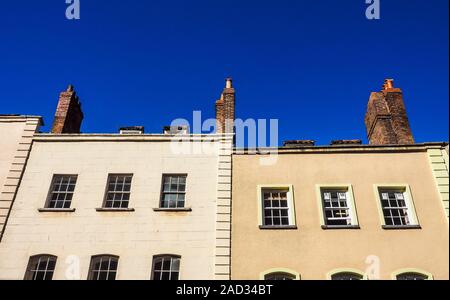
(68,114)
(225,106)
(386,120)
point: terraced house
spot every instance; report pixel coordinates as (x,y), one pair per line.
(347,210)
(118,206)
(178,205)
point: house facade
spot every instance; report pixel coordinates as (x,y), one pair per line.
(347,210)
(120,206)
(322,211)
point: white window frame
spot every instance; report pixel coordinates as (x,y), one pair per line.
(350,202)
(291,205)
(412,213)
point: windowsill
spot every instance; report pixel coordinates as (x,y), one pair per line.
(67,210)
(325,227)
(104,209)
(265,227)
(183,209)
(404,227)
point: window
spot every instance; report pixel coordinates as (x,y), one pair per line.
(103,267)
(337,206)
(395,210)
(61,191)
(166,267)
(41,267)
(396,206)
(347,276)
(279,276)
(118,191)
(277,207)
(173,191)
(412,276)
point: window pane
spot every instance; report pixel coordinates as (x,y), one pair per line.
(279,276)
(156,275)
(275,208)
(336,208)
(412,276)
(40,268)
(394,207)
(103,268)
(118,193)
(173,192)
(166,268)
(61,192)
(346,276)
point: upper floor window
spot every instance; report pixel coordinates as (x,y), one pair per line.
(277,207)
(397,207)
(103,267)
(173,191)
(347,276)
(338,207)
(61,191)
(118,191)
(279,276)
(166,267)
(41,267)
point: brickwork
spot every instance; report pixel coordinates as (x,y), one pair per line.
(68,116)
(225,109)
(386,119)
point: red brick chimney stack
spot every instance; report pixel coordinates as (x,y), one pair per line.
(386,119)
(68,116)
(225,109)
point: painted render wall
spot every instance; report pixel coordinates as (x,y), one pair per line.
(134,236)
(16,134)
(10,134)
(312,251)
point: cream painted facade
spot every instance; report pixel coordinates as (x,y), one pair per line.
(200,236)
(307,250)
(16,132)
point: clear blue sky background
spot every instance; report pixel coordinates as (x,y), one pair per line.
(310,64)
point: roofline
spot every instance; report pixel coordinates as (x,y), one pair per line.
(49,137)
(20,118)
(419,147)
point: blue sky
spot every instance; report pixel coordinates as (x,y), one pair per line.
(310,64)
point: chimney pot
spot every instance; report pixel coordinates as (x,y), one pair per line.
(298,143)
(132,130)
(346,142)
(229,83)
(388,84)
